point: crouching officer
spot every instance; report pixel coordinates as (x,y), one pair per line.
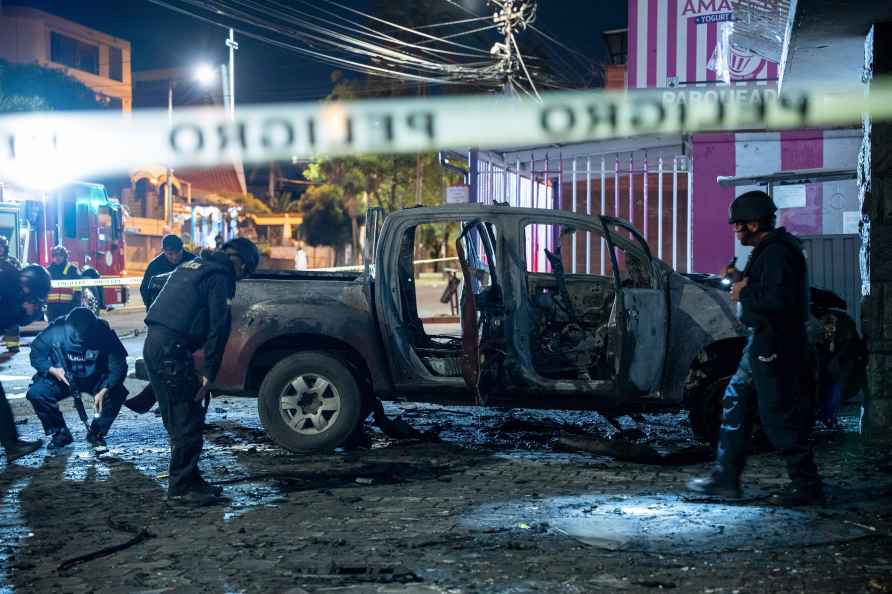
(192,312)
(22,295)
(773,295)
(79,352)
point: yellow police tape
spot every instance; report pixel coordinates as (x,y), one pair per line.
(41,147)
(117,281)
(123,281)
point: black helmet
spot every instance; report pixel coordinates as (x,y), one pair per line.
(171,243)
(750,207)
(82,321)
(59,250)
(246,250)
(36,280)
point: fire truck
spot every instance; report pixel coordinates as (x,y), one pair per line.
(78,215)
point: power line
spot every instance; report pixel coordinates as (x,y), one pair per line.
(341,62)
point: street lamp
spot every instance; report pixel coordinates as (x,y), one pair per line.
(203,74)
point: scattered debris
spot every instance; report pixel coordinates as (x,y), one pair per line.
(626,451)
(364,573)
(105,552)
(656,584)
(398,428)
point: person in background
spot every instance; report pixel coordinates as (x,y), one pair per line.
(87,271)
(300,258)
(172,255)
(62,300)
(7,260)
(22,294)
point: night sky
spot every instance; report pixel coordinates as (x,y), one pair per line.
(161,38)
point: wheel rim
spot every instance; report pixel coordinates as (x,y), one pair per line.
(310,404)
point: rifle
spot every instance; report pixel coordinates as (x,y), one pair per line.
(73,390)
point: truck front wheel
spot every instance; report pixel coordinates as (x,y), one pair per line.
(310,401)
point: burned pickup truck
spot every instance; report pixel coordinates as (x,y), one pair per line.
(555,310)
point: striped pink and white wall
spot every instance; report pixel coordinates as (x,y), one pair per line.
(671,43)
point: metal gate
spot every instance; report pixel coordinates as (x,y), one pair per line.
(833,264)
(652,191)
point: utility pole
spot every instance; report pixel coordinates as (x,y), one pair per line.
(232,45)
(168,191)
(512,17)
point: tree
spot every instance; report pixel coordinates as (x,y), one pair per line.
(27,87)
(325,221)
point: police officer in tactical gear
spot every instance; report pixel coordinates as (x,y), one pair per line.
(773,297)
(22,295)
(192,312)
(62,300)
(78,351)
(172,255)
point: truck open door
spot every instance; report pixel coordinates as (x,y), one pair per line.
(374,220)
(481,301)
(642,309)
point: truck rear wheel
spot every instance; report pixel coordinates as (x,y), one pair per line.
(310,401)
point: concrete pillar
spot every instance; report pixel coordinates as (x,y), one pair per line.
(875,191)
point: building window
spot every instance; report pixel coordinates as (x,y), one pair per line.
(115,63)
(74,53)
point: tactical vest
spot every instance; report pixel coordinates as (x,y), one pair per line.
(182,305)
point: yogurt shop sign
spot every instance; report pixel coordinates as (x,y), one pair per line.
(708,11)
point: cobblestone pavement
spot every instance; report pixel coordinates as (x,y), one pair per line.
(495,506)
(492,508)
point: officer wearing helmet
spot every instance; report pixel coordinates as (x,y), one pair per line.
(190,313)
(62,300)
(22,295)
(773,296)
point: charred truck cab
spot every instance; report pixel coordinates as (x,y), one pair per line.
(534,335)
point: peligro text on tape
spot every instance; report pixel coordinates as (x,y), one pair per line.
(119,281)
(83,144)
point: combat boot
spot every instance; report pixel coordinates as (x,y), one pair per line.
(715,483)
(96,440)
(202,486)
(60,439)
(799,495)
(20,448)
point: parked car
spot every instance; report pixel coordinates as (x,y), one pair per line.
(624,333)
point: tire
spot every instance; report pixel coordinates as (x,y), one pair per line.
(299,417)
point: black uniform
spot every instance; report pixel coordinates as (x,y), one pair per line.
(93,363)
(191,312)
(159,265)
(62,300)
(11,313)
(774,304)
(11,333)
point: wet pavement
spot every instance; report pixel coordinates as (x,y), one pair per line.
(498,505)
